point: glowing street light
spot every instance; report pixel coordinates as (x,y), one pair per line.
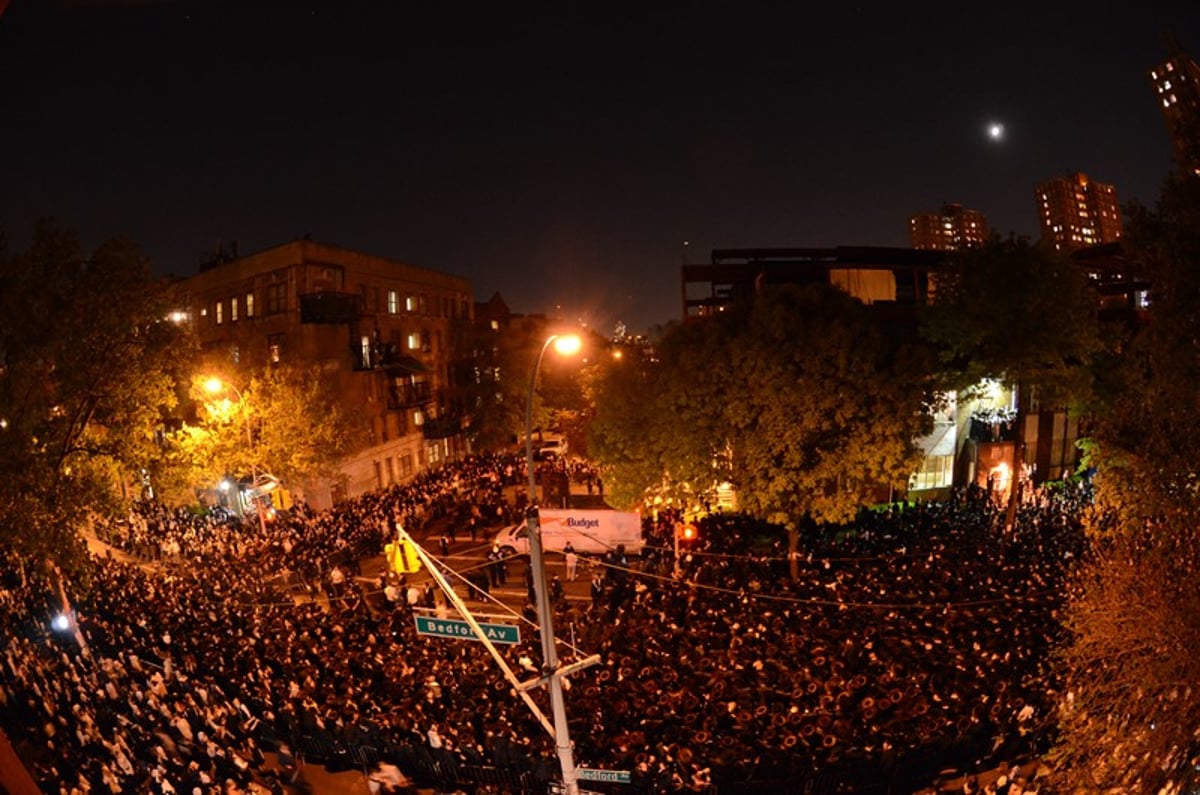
(215,386)
(565,345)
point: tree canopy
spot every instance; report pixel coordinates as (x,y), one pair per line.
(1132,690)
(88,363)
(805,400)
(284,421)
(1015,312)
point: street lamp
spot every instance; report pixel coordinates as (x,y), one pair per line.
(215,386)
(565,345)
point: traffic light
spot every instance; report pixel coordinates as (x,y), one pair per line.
(686,531)
(401,557)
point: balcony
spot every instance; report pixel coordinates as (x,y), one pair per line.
(330,308)
(993,428)
(404,396)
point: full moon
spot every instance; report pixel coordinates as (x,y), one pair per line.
(995,131)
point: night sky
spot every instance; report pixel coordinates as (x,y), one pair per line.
(562,153)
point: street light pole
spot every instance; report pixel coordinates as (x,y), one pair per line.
(216,385)
(537,563)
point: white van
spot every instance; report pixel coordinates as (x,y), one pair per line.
(590,531)
(551,446)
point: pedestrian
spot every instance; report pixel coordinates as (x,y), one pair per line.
(494,556)
(444,543)
(597,591)
(557,592)
(572,561)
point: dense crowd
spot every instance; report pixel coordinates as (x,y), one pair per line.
(915,631)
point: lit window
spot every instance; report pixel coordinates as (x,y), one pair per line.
(410,303)
(365,346)
(418,418)
(414,341)
(233,310)
(249,304)
(495,325)
(220,313)
(393,302)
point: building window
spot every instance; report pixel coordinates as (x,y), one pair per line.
(406,466)
(423,305)
(937,471)
(410,303)
(418,418)
(275,348)
(414,341)
(391,470)
(233,309)
(249,305)
(434,453)
(219,312)
(276,298)
(393,302)
(378,475)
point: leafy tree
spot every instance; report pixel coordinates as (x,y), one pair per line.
(1142,439)
(1132,679)
(641,402)
(833,403)
(285,422)
(87,373)
(804,400)
(1019,313)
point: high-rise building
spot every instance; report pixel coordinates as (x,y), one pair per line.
(1076,212)
(951,229)
(1177,83)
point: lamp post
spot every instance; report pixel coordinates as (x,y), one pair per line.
(565,345)
(215,386)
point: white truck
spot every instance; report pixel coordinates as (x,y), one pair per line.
(590,531)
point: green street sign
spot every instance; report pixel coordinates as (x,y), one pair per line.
(457,628)
(614,776)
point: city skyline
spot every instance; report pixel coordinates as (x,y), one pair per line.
(570,161)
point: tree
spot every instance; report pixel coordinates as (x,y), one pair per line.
(1132,681)
(87,375)
(804,400)
(1018,313)
(641,404)
(285,422)
(1143,440)
(832,407)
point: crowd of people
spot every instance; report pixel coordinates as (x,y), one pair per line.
(916,631)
